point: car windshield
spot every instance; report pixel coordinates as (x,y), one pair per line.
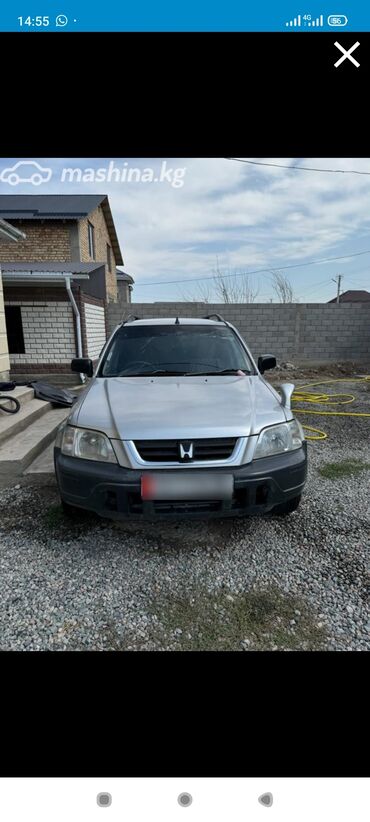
(168,350)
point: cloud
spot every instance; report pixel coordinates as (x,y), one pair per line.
(245,216)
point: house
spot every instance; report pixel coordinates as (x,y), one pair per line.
(57,280)
(124,285)
(353,297)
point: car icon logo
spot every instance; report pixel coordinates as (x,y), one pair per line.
(33,173)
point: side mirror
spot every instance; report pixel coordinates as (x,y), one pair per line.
(286,390)
(266,362)
(82,365)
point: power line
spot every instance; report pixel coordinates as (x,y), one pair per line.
(317,286)
(354,282)
(299,168)
(257,271)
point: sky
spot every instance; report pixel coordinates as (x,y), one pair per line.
(201,215)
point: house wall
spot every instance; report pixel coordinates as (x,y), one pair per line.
(59,241)
(123,292)
(4,356)
(48,330)
(302,333)
(97,219)
(93,324)
(50,240)
(95,329)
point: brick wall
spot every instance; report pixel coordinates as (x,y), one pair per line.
(54,241)
(45,241)
(96,218)
(49,336)
(302,333)
(38,293)
(4,357)
(93,324)
(95,329)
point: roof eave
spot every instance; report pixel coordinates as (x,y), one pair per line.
(22,278)
(10,232)
(112,231)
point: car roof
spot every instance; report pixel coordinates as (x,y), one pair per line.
(172,320)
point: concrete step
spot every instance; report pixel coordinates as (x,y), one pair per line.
(11,424)
(23,394)
(42,468)
(20,450)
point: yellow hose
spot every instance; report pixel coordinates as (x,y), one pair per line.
(301,395)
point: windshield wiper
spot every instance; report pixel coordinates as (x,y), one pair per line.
(215,373)
(160,372)
(163,372)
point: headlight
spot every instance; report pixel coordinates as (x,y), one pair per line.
(59,436)
(86,444)
(277,439)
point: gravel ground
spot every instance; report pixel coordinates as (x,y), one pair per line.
(262,583)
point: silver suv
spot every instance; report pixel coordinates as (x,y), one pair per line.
(179,421)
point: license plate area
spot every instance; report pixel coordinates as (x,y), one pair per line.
(178,486)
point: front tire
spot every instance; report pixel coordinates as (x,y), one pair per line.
(286,508)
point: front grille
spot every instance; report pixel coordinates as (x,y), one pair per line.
(136,506)
(220,448)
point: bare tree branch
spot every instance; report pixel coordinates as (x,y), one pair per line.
(203,296)
(225,287)
(283,287)
(234,287)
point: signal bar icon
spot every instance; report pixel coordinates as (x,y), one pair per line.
(297,22)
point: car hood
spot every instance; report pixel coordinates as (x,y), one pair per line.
(178,407)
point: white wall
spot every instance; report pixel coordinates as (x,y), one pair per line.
(4,357)
(95,329)
(48,331)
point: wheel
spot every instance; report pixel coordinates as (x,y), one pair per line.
(70,510)
(286,508)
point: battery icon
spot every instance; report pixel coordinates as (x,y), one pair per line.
(337,20)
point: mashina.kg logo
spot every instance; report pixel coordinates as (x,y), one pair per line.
(26,171)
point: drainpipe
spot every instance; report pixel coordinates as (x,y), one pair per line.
(78,322)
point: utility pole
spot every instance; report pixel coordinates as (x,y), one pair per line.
(338,280)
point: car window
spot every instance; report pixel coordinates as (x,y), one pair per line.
(184,349)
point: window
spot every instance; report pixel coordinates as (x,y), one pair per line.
(14,329)
(109,257)
(91,235)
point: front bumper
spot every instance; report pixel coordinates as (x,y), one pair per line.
(114,492)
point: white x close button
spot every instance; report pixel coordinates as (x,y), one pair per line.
(347,55)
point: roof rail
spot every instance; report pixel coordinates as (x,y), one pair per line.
(218,317)
(130,319)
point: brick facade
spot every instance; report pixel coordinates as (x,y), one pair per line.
(48,240)
(48,322)
(56,241)
(42,369)
(102,239)
(49,329)
(24,293)
(49,334)
(302,333)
